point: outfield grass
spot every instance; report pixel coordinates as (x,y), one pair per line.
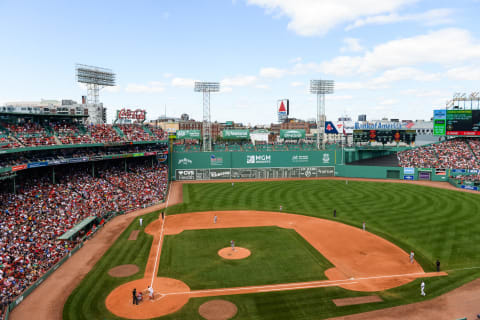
(278,256)
(435,223)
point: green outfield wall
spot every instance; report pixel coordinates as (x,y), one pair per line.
(245,165)
(186,166)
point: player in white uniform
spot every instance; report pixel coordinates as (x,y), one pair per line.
(150,292)
(422,288)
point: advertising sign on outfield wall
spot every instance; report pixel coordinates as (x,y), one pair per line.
(254,173)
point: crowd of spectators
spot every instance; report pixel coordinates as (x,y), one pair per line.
(104,133)
(30,134)
(451,154)
(40,211)
(134,132)
(69,133)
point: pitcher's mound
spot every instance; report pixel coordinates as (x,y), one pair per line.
(238,253)
(218,309)
(125,270)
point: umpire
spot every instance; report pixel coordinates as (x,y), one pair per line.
(134,293)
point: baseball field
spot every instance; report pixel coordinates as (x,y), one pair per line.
(300,262)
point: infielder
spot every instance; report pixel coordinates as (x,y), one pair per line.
(215,219)
(412,255)
(422,288)
(281,208)
(232,243)
(364,224)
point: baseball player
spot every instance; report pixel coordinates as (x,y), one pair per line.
(334,212)
(438,265)
(141,221)
(412,255)
(281,208)
(215,219)
(232,184)
(232,243)
(150,292)
(364,224)
(422,288)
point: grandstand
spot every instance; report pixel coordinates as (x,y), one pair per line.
(57,173)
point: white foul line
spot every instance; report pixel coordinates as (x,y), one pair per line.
(160,241)
(296,286)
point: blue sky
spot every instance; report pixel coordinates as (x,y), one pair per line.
(389,58)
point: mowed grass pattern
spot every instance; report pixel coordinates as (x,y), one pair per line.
(278,256)
(435,223)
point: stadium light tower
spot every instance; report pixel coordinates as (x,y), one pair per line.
(95,78)
(206,88)
(321,88)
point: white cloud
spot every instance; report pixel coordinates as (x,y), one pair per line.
(262,86)
(335,97)
(112,89)
(470,73)
(224,89)
(388,102)
(444,47)
(315,17)
(151,87)
(406,73)
(297,84)
(183,82)
(272,72)
(430,18)
(351,45)
(238,81)
(425,93)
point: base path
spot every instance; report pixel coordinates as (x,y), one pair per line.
(47,301)
(363,261)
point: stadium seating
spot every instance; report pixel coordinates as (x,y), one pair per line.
(451,154)
(33,218)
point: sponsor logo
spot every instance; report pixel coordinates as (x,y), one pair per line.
(326,158)
(185,161)
(378,125)
(186,172)
(261,158)
(298,158)
(216,161)
(408,170)
(215,174)
(308,173)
